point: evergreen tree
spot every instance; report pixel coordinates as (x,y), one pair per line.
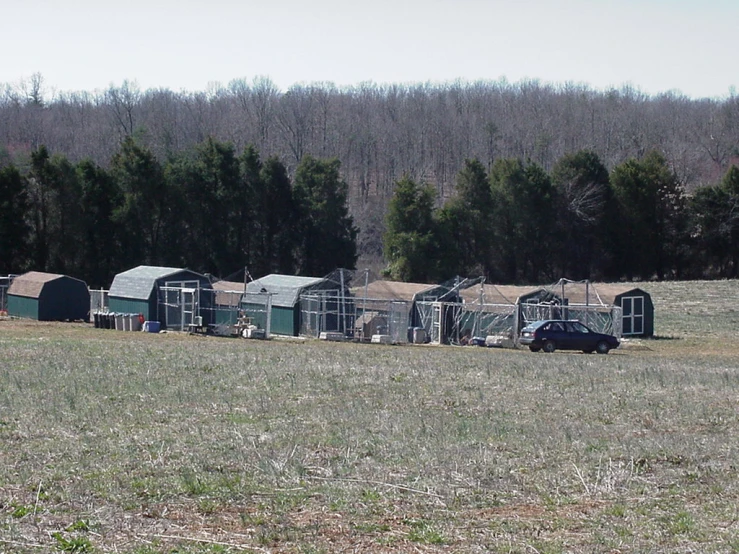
(55,200)
(328,236)
(243,210)
(582,185)
(14,229)
(715,220)
(276,218)
(409,240)
(142,217)
(215,193)
(523,221)
(652,225)
(100,199)
(465,225)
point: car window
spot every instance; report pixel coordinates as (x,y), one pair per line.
(557,327)
(577,327)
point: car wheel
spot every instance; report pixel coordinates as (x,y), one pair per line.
(549,346)
(534,348)
(587,351)
(602,347)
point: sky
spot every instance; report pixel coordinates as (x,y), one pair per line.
(655,46)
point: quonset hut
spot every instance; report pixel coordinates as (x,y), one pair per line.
(172,296)
(48,297)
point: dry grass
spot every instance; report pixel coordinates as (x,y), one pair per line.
(137,443)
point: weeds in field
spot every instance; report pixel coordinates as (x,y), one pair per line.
(310,447)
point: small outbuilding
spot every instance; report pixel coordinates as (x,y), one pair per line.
(48,297)
(286,292)
(172,296)
(407,306)
(226,303)
(637,308)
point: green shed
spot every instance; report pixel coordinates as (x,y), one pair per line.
(286,291)
(48,297)
(172,296)
(637,308)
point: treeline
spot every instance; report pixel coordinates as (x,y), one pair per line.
(380,132)
(520,223)
(210,209)
(216,210)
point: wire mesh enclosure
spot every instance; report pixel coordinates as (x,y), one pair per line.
(602,319)
(326,311)
(382,317)
(98,301)
(179,307)
(228,312)
(5,282)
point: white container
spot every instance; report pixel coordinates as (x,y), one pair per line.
(331,335)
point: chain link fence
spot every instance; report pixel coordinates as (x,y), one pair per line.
(235,312)
(600,318)
(5,282)
(98,302)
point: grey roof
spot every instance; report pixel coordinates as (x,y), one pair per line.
(285,289)
(138,283)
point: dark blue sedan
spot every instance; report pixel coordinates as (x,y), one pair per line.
(559,334)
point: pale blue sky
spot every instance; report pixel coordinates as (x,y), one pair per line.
(653,45)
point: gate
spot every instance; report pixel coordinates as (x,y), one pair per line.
(181,305)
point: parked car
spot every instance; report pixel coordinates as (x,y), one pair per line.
(552,334)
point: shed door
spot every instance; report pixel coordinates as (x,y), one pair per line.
(181,303)
(633,315)
(189,307)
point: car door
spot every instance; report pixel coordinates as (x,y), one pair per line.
(558,333)
(580,336)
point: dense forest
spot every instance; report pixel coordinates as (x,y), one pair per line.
(520,182)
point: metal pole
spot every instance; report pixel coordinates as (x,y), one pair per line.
(562,281)
(477,326)
(269,315)
(343,305)
(364,301)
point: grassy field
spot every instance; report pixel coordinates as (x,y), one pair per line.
(139,443)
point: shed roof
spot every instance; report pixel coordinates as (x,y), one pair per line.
(139,282)
(497,294)
(391,290)
(285,289)
(232,286)
(228,293)
(31,284)
(594,293)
